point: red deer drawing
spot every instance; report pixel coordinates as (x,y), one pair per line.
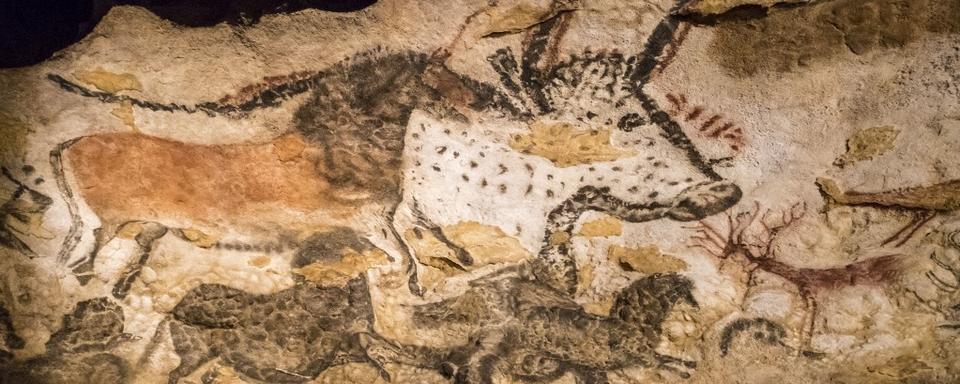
(750,238)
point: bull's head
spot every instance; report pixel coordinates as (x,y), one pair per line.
(603,92)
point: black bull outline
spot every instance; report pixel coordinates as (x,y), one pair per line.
(554,265)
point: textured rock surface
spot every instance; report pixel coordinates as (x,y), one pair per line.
(489,192)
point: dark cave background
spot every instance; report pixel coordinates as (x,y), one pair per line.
(32,30)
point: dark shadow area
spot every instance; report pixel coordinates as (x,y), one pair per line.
(32,30)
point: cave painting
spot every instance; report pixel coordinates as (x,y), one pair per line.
(557,215)
(342,164)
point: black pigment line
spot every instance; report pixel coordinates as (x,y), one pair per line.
(554,265)
(271,97)
(74,234)
(674,134)
(662,35)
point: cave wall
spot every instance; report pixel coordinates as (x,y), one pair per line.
(525,191)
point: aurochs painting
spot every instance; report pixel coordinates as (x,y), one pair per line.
(523,191)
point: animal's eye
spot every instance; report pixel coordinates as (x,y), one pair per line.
(953,239)
(630,121)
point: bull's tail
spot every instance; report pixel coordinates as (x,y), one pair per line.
(270,96)
(74,234)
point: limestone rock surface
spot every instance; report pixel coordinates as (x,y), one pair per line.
(515,191)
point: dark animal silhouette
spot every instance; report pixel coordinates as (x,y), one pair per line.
(290,336)
(525,330)
(287,337)
(81,351)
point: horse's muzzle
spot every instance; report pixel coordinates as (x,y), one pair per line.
(704,199)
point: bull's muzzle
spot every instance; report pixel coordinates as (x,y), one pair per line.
(704,199)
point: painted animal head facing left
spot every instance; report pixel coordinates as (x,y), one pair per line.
(22,214)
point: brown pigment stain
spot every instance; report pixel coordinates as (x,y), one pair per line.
(128,176)
(937,197)
(259,261)
(787,39)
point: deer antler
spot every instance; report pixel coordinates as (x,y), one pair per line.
(739,235)
(709,238)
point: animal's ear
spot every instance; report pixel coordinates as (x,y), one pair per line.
(542,43)
(539,54)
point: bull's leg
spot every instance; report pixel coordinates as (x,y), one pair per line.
(149,234)
(395,239)
(463,257)
(83,268)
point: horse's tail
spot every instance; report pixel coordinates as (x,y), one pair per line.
(74,234)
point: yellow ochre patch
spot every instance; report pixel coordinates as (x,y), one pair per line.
(487,244)
(199,238)
(109,81)
(566,146)
(645,259)
(340,272)
(601,227)
(867,143)
(124,112)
